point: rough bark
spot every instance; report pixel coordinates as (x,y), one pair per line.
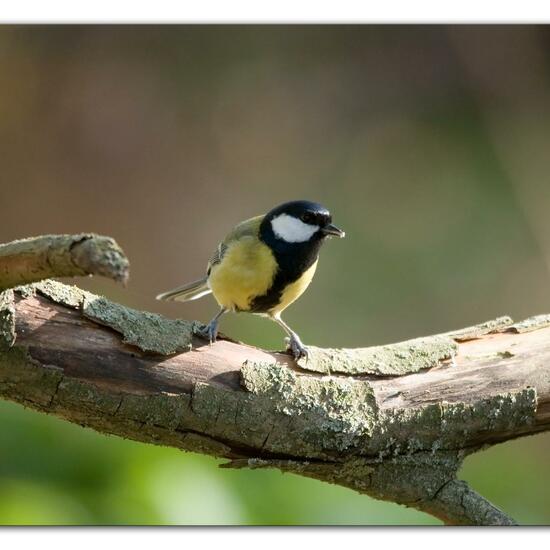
(37,258)
(394,422)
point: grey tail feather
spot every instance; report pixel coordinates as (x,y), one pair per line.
(188,292)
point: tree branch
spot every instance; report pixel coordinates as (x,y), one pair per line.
(37,258)
(394,422)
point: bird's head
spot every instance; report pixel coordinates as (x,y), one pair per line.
(300,222)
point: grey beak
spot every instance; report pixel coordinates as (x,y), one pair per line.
(333,231)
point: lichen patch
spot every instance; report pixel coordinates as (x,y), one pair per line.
(67,295)
(476,331)
(7,320)
(333,412)
(390,360)
(532,323)
(148,331)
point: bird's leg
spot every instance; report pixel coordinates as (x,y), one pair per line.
(210,331)
(293,341)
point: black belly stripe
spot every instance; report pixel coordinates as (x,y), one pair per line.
(293,259)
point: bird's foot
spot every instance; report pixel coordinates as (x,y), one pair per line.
(209,332)
(295,346)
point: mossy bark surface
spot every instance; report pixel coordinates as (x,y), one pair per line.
(36,258)
(394,422)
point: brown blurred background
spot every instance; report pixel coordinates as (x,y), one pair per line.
(430,145)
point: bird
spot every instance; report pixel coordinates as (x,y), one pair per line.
(263,265)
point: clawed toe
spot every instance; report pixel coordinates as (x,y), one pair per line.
(209,333)
(297,349)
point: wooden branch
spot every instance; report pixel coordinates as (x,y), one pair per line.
(37,258)
(394,422)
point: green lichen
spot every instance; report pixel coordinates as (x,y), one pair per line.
(7,320)
(336,414)
(148,331)
(390,360)
(332,413)
(67,295)
(532,323)
(476,331)
(260,423)
(396,359)
(87,398)
(154,418)
(37,258)
(99,255)
(447,425)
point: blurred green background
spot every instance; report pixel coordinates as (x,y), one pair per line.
(430,145)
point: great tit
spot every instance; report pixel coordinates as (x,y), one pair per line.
(263,265)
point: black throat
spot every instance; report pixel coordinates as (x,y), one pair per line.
(293,259)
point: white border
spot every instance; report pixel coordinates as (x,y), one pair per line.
(271,538)
(280,11)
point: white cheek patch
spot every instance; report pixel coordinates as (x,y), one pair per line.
(291,229)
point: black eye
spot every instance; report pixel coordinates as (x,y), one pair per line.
(307,217)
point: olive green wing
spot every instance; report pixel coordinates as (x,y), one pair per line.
(249,227)
(197,289)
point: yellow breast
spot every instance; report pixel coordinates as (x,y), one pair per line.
(294,290)
(247,270)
